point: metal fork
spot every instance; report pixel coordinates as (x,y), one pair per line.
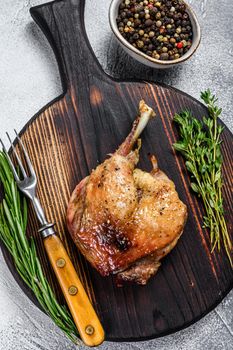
(85,318)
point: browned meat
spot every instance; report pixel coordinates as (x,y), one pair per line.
(123,219)
(146,267)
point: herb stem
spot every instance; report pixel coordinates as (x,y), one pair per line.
(200,145)
(13,223)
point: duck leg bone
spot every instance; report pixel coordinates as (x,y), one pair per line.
(145,114)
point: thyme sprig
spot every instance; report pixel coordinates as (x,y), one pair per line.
(13,223)
(200,144)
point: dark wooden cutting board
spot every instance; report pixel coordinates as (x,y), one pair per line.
(74,133)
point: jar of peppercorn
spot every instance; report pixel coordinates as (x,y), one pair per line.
(159,34)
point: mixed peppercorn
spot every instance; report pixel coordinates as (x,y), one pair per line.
(161,29)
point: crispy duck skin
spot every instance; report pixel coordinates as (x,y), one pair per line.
(123,219)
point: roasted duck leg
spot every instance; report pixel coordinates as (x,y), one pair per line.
(123,219)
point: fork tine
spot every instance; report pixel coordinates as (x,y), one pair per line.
(29,164)
(10,162)
(17,157)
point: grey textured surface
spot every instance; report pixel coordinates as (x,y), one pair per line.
(29,79)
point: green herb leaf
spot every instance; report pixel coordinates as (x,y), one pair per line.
(200,145)
(195,187)
(13,223)
(179,146)
(190,166)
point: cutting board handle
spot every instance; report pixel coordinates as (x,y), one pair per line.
(62,22)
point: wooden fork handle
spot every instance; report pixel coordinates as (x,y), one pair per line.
(84,315)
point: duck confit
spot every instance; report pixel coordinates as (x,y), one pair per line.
(124,219)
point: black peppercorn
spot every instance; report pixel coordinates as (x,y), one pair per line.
(164,56)
(151,47)
(169,46)
(135,36)
(153,11)
(137,23)
(161,29)
(141,14)
(148,22)
(182,7)
(131,40)
(139,8)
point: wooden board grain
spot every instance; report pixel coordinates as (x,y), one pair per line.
(74,133)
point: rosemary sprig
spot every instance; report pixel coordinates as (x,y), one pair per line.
(200,144)
(13,223)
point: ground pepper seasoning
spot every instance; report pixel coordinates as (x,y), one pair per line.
(161,29)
